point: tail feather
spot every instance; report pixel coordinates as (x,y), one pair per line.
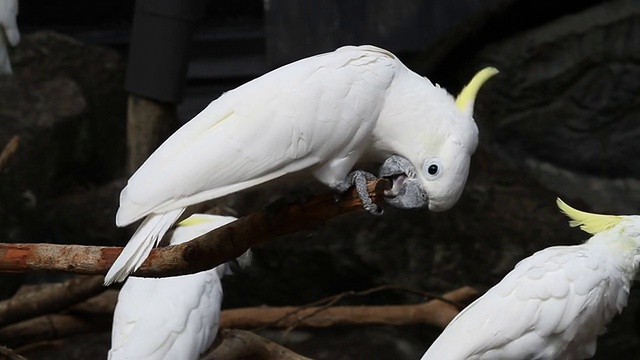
(139,246)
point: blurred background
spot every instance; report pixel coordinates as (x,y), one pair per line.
(561,119)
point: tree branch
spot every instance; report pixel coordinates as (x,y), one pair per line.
(434,312)
(239,344)
(203,253)
(42,328)
(49,299)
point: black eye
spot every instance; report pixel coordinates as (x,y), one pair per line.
(432,168)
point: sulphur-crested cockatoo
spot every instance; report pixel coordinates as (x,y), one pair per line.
(320,114)
(9,34)
(555,303)
(174,317)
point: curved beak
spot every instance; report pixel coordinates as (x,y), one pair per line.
(406,191)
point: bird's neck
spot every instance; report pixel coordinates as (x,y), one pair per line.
(622,249)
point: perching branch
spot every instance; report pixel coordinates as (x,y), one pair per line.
(203,253)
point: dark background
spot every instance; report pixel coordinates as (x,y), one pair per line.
(561,119)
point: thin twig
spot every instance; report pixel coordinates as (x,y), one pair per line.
(8,151)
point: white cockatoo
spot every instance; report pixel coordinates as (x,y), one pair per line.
(174,317)
(555,303)
(9,33)
(321,114)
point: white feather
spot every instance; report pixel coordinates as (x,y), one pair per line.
(181,320)
(146,237)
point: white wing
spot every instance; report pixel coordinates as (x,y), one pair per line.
(318,111)
(551,306)
(170,318)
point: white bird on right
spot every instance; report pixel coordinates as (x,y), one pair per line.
(9,32)
(553,304)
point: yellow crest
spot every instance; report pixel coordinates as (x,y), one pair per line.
(588,222)
(468,94)
(197,219)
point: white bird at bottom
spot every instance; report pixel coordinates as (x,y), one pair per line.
(174,317)
(553,304)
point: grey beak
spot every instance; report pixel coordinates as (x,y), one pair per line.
(406,191)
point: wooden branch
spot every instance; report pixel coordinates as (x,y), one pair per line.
(103,304)
(434,312)
(239,344)
(203,253)
(49,299)
(42,328)
(80,318)
(8,151)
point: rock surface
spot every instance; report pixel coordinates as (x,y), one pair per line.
(566,107)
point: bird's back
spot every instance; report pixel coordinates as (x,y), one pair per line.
(553,305)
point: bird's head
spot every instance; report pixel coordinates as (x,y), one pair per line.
(430,169)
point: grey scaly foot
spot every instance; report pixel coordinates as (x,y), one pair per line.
(358,179)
